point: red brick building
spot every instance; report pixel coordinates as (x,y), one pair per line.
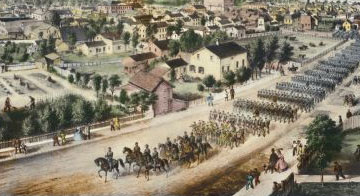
(154,84)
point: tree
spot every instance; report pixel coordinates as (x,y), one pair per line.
(190,41)
(178,27)
(24,57)
(151,30)
(271,51)
(55,19)
(86,79)
(43,48)
(31,125)
(97,83)
(170,30)
(203,21)
(102,110)
(200,87)
(243,74)
(49,120)
(41,35)
(114,81)
(172,75)
(105,85)
(217,36)
(259,56)
(229,78)
(174,47)
(83,112)
(324,140)
(51,44)
(126,39)
(135,40)
(209,81)
(77,77)
(71,78)
(120,27)
(286,53)
(145,100)
(124,98)
(72,39)
(135,100)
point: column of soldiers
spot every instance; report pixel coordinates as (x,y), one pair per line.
(303,101)
(273,111)
(318,93)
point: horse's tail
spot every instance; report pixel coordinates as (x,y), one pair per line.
(121,163)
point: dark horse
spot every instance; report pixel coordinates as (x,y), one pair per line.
(105,166)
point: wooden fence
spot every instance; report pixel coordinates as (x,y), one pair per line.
(287,186)
(352,123)
(39,138)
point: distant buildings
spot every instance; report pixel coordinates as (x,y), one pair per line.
(218,5)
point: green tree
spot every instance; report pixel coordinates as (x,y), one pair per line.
(178,27)
(286,53)
(64,111)
(49,120)
(172,75)
(170,30)
(83,112)
(151,30)
(135,100)
(203,21)
(97,83)
(271,51)
(71,78)
(77,77)
(114,81)
(105,85)
(120,27)
(124,98)
(51,44)
(259,57)
(243,74)
(324,140)
(190,41)
(86,79)
(43,48)
(229,78)
(102,110)
(31,125)
(135,41)
(55,19)
(72,39)
(209,81)
(146,100)
(174,47)
(24,57)
(126,39)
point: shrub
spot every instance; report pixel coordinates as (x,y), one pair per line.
(312,44)
(200,87)
(71,78)
(187,96)
(321,44)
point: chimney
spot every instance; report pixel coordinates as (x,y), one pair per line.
(217,42)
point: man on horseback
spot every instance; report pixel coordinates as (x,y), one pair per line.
(137,150)
(109,156)
(186,137)
(168,143)
(147,153)
(155,156)
(192,138)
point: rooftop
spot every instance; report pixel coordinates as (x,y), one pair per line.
(143,56)
(162,44)
(174,63)
(146,81)
(95,44)
(225,50)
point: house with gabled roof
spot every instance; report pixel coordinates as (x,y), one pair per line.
(216,60)
(137,62)
(165,103)
(159,47)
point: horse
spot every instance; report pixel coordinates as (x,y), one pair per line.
(139,160)
(105,166)
(130,157)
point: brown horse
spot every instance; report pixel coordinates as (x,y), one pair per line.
(105,166)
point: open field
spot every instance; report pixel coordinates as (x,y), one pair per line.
(71,57)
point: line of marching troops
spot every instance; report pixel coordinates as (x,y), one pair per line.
(318,93)
(272,111)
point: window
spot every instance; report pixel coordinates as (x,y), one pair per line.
(201,70)
(228,68)
(192,68)
(237,64)
(198,56)
(119,47)
(243,62)
(223,69)
(211,58)
(104,49)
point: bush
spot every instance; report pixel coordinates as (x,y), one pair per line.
(200,87)
(292,38)
(312,44)
(187,96)
(321,44)
(71,78)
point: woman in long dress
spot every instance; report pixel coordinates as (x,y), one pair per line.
(281,164)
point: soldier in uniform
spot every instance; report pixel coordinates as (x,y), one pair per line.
(155,156)
(137,149)
(168,143)
(109,156)
(7,106)
(192,138)
(147,153)
(186,137)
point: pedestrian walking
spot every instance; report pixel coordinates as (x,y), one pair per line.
(226,95)
(256,175)
(112,126)
(338,171)
(56,140)
(210,99)
(249,181)
(232,93)
(63,138)
(295,145)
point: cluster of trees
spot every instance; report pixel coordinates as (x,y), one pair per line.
(241,75)
(12,51)
(101,84)
(324,140)
(142,100)
(47,46)
(263,55)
